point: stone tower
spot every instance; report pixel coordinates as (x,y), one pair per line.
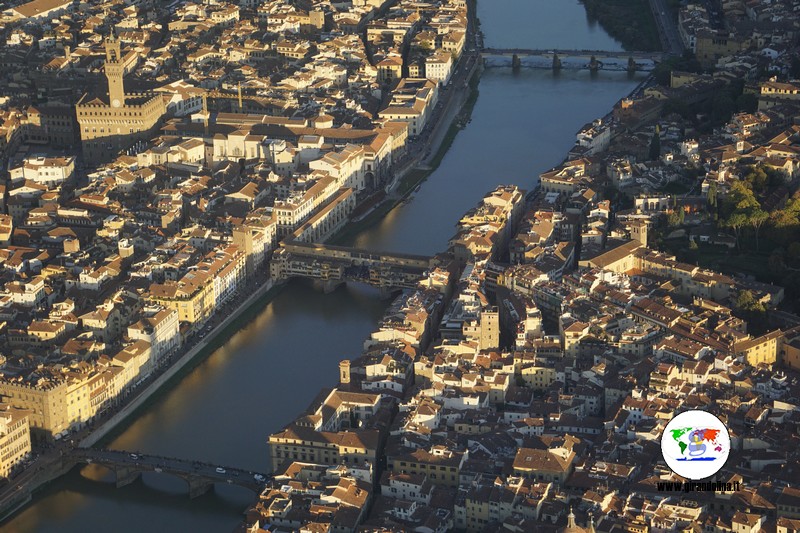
(344,371)
(115,70)
(639,231)
(490,328)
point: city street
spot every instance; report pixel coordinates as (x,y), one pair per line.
(667,27)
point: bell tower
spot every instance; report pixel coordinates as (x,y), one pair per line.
(115,70)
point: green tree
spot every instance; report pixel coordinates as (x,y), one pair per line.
(756,218)
(785,224)
(739,198)
(711,196)
(747,102)
(722,108)
(793,253)
(777,265)
(736,221)
(676,105)
(743,210)
(758,179)
(655,145)
(673,219)
(753,311)
(746,301)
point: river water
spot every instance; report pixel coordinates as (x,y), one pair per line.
(271,369)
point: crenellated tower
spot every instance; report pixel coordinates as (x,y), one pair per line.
(115,71)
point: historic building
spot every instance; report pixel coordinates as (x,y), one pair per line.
(109,126)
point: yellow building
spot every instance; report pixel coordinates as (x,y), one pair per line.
(619,259)
(46,402)
(441,465)
(763,349)
(538,377)
(109,126)
(300,443)
(15,437)
(56,402)
(192,297)
(712,46)
(790,352)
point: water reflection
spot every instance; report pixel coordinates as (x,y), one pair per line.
(87,500)
(541,24)
(269,371)
(523,123)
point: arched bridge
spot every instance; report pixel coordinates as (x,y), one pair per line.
(330,266)
(199,476)
(598,54)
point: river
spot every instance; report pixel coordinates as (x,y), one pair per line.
(271,369)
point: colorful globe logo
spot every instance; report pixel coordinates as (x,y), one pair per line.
(695,444)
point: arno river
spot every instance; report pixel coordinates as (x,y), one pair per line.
(268,372)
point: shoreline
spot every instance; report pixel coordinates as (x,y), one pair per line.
(406,181)
(121,420)
(160,384)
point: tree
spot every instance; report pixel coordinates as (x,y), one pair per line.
(655,145)
(746,301)
(754,312)
(756,218)
(777,265)
(712,194)
(739,198)
(747,102)
(736,221)
(793,253)
(676,105)
(784,224)
(757,178)
(722,108)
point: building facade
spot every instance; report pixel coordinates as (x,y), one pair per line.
(108,127)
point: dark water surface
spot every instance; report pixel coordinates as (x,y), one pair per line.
(268,372)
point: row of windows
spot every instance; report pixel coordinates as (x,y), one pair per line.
(102,130)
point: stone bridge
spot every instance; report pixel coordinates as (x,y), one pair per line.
(330,266)
(200,477)
(598,54)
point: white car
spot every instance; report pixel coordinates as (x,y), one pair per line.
(220,470)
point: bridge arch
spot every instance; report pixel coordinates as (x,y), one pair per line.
(199,477)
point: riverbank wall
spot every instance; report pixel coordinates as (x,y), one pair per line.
(132,406)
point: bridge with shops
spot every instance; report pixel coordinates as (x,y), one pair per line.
(200,477)
(330,266)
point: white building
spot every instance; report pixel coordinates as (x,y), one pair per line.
(439,67)
(161,328)
(48,171)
